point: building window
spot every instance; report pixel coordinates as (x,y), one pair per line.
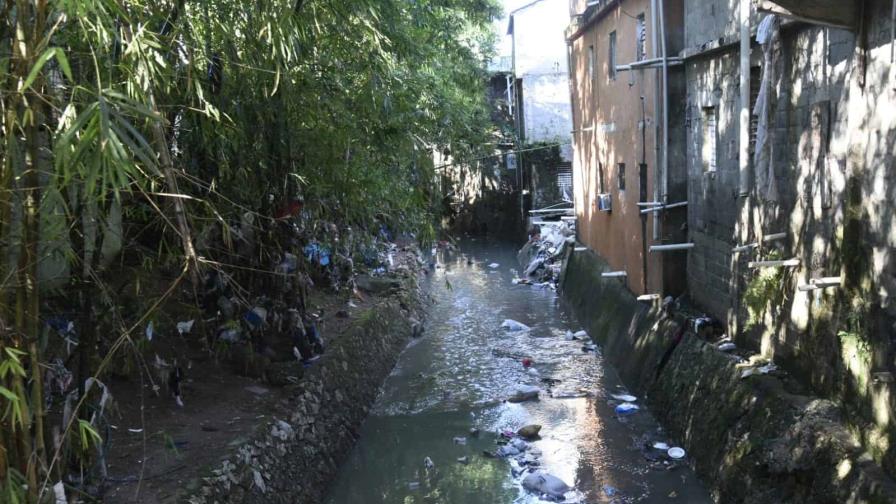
(641,42)
(611,59)
(621,176)
(591,62)
(710,138)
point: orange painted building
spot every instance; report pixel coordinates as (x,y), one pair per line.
(616,93)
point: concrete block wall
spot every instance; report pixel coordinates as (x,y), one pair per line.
(850,234)
(712,196)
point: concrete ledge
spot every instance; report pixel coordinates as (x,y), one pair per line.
(753,440)
(293,459)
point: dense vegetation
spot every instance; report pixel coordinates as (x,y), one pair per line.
(164,139)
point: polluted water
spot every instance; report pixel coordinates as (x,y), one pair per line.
(463,419)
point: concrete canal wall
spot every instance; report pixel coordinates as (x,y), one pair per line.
(292,459)
(759,439)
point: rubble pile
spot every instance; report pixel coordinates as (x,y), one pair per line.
(543,253)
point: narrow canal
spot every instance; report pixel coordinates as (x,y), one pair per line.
(457,377)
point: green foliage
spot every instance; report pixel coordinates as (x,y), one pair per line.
(765,290)
(218,109)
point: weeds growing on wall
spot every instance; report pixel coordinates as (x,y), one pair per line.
(765,291)
(144,143)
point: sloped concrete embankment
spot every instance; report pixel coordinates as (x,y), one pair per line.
(291,460)
(752,440)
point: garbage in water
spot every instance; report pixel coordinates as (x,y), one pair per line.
(624,397)
(494,265)
(524,393)
(527,362)
(464,460)
(609,491)
(580,335)
(676,453)
(545,484)
(460,440)
(544,252)
(519,444)
(413,485)
(626,409)
(529,431)
(569,336)
(428,463)
(589,347)
(507,451)
(185,327)
(661,446)
(149,331)
(514,326)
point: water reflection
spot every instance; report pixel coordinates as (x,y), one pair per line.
(456,378)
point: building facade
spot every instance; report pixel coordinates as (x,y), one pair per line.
(784,153)
(619,141)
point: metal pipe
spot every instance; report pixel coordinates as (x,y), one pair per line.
(649,297)
(744,147)
(664,207)
(789,263)
(673,246)
(649,203)
(820,283)
(654,47)
(614,274)
(651,63)
(551,210)
(665,166)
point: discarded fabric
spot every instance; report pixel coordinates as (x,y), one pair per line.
(727,346)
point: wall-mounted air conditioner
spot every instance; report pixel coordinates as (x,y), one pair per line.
(605,202)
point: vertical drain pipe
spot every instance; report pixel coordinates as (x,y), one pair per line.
(665,151)
(656,107)
(744,151)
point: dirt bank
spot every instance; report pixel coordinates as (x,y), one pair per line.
(293,454)
(756,439)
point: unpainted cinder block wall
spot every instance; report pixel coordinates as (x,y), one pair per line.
(834,138)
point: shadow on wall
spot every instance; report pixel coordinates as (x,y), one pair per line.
(834,147)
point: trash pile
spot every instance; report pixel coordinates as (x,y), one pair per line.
(543,253)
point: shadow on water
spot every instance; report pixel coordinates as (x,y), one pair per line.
(456,378)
